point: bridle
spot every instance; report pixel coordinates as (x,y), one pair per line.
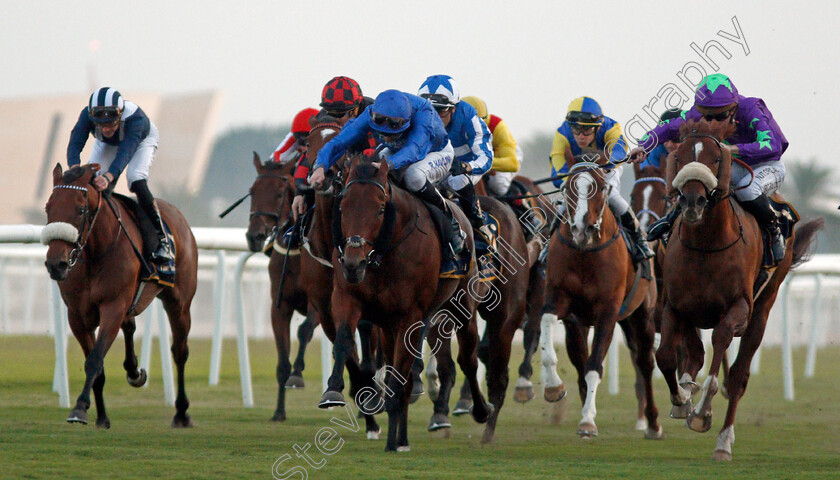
(81,240)
(272,215)
(586,167)
(650,180)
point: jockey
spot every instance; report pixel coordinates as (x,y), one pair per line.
(507,156)
(125,139)
(758,141)
(586,128)
(658,154)
(471,140)
(292,147)
(415,146)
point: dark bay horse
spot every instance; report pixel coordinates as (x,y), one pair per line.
(92,259)
(387,270)
(271,200)
(712,263)
(591,282)
(316,274)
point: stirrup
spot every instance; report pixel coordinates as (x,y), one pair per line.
(658,229)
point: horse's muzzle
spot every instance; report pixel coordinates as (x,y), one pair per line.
(692,205)
(584,237)
(57,268)
(354,270)
(255,241)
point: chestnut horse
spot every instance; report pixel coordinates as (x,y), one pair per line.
(648,197)
(316,273)
(271,200)
(387,270)
(712,264)
(98,273)
(592,282)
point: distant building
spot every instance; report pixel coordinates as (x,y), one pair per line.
(36,131)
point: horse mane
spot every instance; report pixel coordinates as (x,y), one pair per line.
(365,169)
(73,174)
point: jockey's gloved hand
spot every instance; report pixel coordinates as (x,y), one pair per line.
(457,168)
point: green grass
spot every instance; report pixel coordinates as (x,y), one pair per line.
(774,438)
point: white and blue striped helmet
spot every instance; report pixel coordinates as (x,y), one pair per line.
(105,105)
(441,90)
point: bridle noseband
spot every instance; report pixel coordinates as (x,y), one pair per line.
(373,258)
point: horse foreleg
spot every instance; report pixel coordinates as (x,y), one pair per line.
(524,390)
(281,317)
(136,378)
(304,335)
(346,314)
(555,390)
(594,371)
(468,361)
(180,321)
(501,336)
(444,367)
(666,358)
(700,419)
(639,386)
(641,344)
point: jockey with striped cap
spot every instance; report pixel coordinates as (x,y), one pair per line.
(124,140)
(758,141)
(471,140)
(586,128)
(415,145)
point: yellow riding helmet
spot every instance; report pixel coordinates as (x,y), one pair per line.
(585,111)
(479,106)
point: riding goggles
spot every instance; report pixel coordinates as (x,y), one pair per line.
(718,116)
(104,114)
(394,123)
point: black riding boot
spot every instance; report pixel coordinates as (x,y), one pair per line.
(659,228)
(469,203)
(764,214)
(642,251)
(160,254)
(429,194)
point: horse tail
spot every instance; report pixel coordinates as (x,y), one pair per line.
(804,241)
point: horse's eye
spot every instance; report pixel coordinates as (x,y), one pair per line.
(382,210)
(80,211)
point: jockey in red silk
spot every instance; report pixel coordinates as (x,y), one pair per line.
(758,141)
(125,139)
(292,148)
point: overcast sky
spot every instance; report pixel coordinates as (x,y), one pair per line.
(526,59)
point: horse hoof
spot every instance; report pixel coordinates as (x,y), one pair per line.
(403,448)
(523,394)
(722,455)
(279,417)
(651,434)
(587,430)
(374,434)
(438,422)
(490,409)
(416,393)
(78,415)
(641,424)
(331,398)
(182,421)
(139,381)
(103,423)
(462,407)
(681,411)
(554,394)
(699,422)
(295,381)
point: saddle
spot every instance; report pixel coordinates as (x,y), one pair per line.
(163,274)
(463,262)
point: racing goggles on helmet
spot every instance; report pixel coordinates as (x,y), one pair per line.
(718,116)
(104,114)
(584,118)
(438,100)
(394,123)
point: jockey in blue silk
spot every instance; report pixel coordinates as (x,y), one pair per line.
(471,140)
(657,156)
(125,139)
(415,146)
(758,141)
(587,129)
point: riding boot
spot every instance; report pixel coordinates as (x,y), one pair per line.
(659,228)
(429,194)
(469,203)
(764,214)
(642,251)
(160,253)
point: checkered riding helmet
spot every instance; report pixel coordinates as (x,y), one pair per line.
(341,94)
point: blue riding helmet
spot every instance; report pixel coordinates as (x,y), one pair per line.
(441,90)
(390,113)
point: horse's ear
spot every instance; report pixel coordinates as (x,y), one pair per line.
(670,172)
(257,161)
(57,173)
(94,167)
(637,169)
(724,170)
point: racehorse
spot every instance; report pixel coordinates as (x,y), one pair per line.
(92,255)
(592,282)
(648,197)
(271,200)
(317,272)
(381,236)
(712,265)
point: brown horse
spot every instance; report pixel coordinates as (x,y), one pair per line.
(712,264)
(592,282)
(92,259)
(271,200)
(648,197)
(387,231)
(316,273)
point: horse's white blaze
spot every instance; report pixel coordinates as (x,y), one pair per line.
(583,184)
(711,383)
(643,222)
(327,132)
(726,438)
(59,231)
(549,357)
(592,380)
(698,149)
